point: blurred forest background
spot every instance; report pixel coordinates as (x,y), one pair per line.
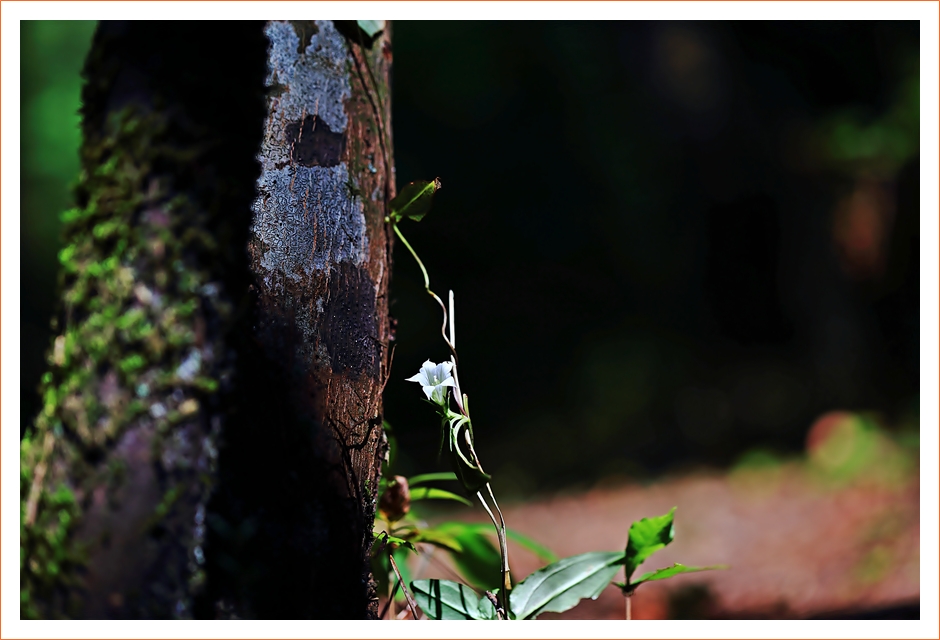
(673,245)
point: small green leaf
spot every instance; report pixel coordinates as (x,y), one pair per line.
(392,540)
(647,536)
(414,201)
(430,493)
(446,600)
(560,586)
(431,477)
(371,27)
(666,572)
(479,561)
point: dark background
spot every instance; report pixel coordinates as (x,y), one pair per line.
(671,244)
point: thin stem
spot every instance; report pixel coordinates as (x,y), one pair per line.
(504,591)
(411,602)
(458,396)
(453,319)
(629,599)
(427,282)
(427,287)
(504,545)
(496,605)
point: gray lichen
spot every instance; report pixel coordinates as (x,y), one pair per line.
(307,217)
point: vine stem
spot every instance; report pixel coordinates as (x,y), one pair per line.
(424,272)
(427,287)
(451,341)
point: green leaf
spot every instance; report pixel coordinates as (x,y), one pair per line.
(414,201)
(371,27)
(561,585)
(431,477)
(479,561)
(647,536)
(544,553)
(393,540)
(666,572)
(438,539)
(430,493)
(446,600)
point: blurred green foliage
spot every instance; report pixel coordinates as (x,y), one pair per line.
(52,54)
(883,143)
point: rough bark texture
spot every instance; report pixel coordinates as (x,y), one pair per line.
(211,437)
(319,251)
(118,468)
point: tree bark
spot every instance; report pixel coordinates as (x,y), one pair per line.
(210,440)
(310,455)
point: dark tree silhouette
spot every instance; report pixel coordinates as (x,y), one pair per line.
(210,440)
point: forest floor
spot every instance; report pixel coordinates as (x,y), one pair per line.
(800,543)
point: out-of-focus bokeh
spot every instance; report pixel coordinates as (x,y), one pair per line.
(683,254)
(671,244)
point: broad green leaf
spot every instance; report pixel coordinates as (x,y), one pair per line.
(431,477)
(438,539)
(446,600)
(561,585)
(430,493)
(371,27)
(479,562)
(666,572)
(414,201)
(647,536)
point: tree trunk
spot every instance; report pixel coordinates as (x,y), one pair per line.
(309,456)
(210,439)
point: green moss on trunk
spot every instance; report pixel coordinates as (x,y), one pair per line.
(119,465)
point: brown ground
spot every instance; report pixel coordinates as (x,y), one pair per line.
(799,545)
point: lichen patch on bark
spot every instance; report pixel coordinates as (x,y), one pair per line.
(317,77)
(307,214)
(306,220)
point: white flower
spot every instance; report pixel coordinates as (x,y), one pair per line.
(433,378)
